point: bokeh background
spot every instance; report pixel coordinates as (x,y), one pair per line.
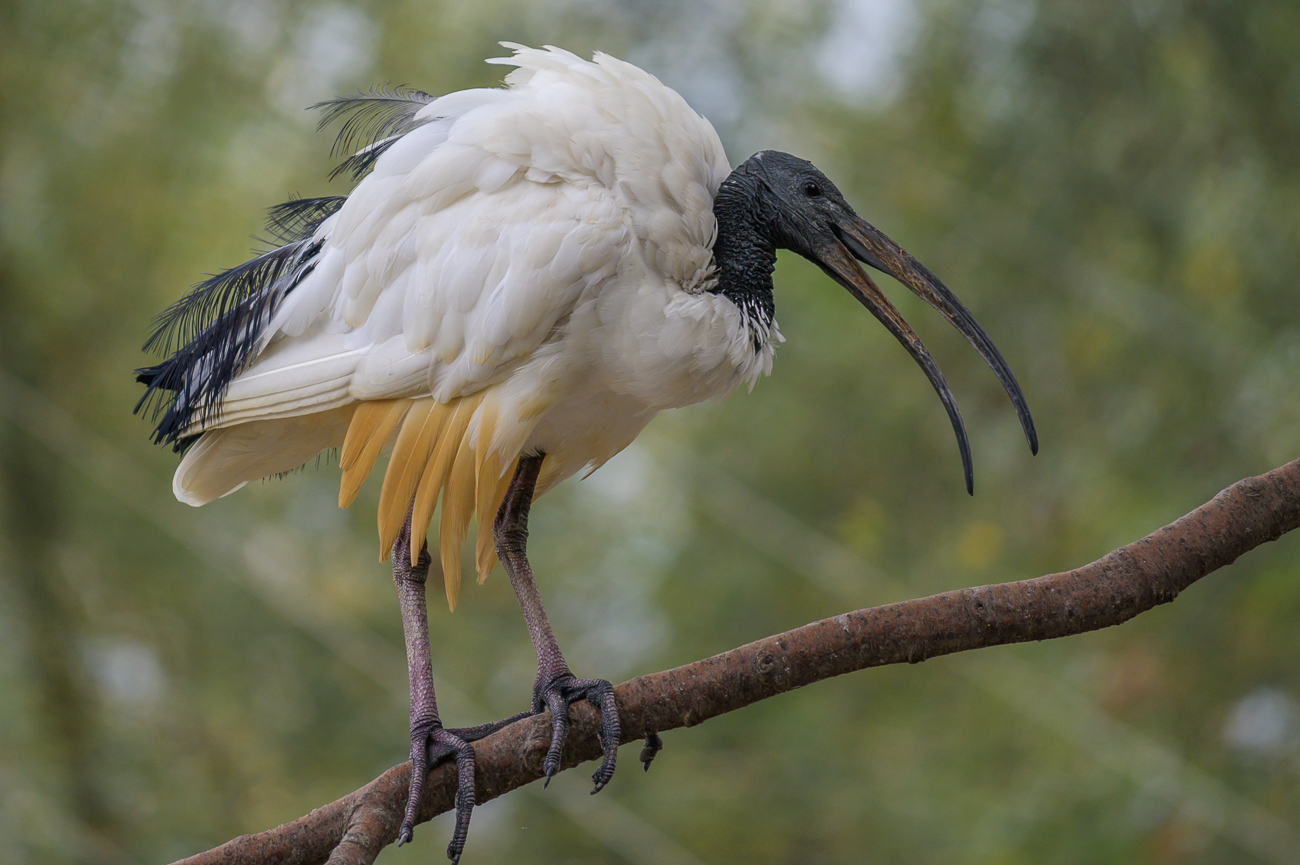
(1112,185)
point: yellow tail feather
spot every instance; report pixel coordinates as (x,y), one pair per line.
(415,443)
(485,557)
(487,471)
(457,505)
(441,451)
(429,479)
(372,424)
(434,477)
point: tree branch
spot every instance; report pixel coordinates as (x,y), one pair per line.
(1111,590)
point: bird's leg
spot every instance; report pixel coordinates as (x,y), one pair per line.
(430,742)
(556,686)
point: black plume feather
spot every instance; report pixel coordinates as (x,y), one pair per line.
(212,333)
(299,218)
(372,122)
(363,160)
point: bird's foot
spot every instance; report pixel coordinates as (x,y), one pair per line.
(440,743)
(431,746)
(556,695)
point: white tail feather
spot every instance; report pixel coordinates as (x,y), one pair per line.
(223,460)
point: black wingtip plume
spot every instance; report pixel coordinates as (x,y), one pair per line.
(211,334)
(372,122)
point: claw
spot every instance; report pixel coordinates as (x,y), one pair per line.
(653,745)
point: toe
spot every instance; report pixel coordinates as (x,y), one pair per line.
(420,741)
(653,745)
(602,696)
(464,789)
(558,704)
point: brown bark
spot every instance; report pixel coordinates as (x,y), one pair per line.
(1111,590)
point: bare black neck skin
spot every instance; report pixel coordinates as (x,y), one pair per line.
(744,252)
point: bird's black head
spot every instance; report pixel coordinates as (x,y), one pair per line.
(780,201)
(795,204)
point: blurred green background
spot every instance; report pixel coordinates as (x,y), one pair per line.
(1113,186)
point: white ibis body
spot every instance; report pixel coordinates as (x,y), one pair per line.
(522,279)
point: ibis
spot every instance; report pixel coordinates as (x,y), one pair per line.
(520,279)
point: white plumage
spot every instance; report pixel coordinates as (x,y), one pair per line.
(526,272)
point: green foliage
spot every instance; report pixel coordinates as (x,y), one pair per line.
(1113,188)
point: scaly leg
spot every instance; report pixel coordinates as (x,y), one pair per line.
(556,687)
(430,742)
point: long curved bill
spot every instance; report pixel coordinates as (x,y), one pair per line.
(863,241)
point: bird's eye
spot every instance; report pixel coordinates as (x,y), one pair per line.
(811,189)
